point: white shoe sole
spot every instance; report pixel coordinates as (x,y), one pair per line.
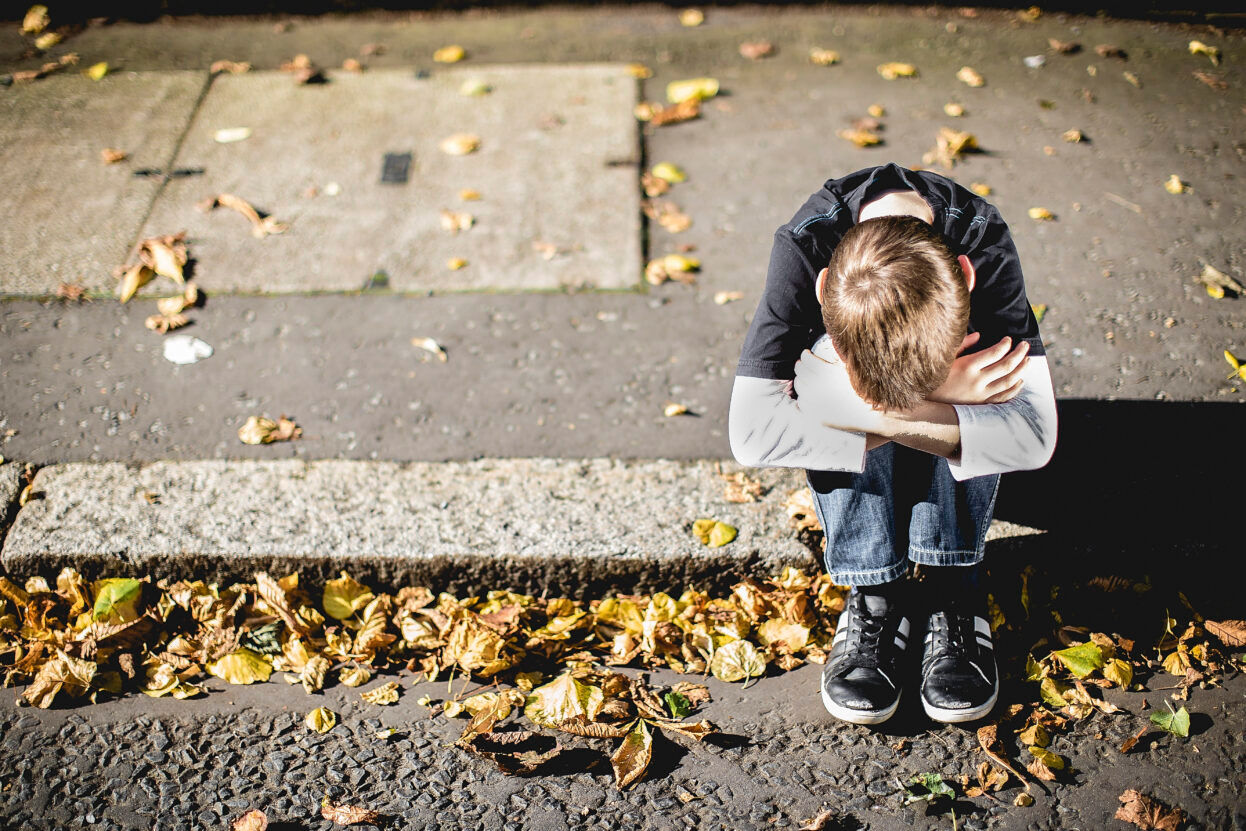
(957,716)
(858,716)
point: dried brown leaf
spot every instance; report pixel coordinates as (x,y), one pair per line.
(1230,632)
(1108,50)
(756,49)
(1147,813)
(253,820)
(343,814)
(632,756)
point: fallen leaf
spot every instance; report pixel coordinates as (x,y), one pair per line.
(455,221)
(1129,743)
(1174,185)
(693,89)
(638,71)
(1197,47)
(950,145)
(344,596)
(36,20)
(672,267)
(1217,282)
(460,144)
(668,172)
(469,195)
(1064,47)
(1107,50)
(343,814)
(953,110)
(514,752)
(1132,78)
(1023,800)
(927,787)
(988,740)
(321,719)
(756,49)
(456,263)
(1148,813)
(242,666)
(97,71)
(474,88)
(1081,659)
(672,409)
(134,278)
(823,57)
(1177,723)
(737,660)
(1206,77)
(112,155)
(713,533)
(230,67)
(691,17)
(355,675)
(1073,136)
(431,346)
(721,298)
(71,291)
(231,134)
(632,756)
(1230,632)
(352,65)
(383,695)
(653,186)
(47,41)
(861,138)
(260,430)
(1040,214)
(253,820)
(261,226)
(660,116)
(892,71)
(980,188)
(450,54)
(969,75)
(163,323)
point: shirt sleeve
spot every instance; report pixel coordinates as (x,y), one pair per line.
(787,315)
(1017,435)
(998,306)
(767,428)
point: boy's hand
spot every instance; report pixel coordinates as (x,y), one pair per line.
(824,389)
(991,376)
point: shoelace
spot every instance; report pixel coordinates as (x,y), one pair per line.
(953,634)
(867,655)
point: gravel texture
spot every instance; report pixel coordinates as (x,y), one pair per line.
(136,763)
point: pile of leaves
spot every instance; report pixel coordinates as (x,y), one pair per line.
(76,638)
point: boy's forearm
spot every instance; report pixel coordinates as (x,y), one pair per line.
(931,427)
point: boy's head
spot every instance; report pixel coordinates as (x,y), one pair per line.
(895,301)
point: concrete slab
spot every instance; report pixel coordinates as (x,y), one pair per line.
(557,165)
(558,526)
(68,216)
(10,487)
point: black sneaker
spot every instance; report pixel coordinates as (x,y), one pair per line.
(860,682)
(959,678)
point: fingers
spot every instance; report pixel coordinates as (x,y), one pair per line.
(992,354)
(1006,395)
(969,340)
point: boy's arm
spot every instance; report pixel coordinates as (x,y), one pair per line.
(768,428)
(976,439)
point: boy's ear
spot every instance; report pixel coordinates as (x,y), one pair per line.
(821,282)
(967,267)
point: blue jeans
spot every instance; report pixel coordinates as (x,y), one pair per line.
(904,506)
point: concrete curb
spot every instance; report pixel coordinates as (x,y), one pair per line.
(538,525)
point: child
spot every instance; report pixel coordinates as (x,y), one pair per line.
(895,357)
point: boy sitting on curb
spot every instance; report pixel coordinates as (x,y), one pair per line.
(895,357)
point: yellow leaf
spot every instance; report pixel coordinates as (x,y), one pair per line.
(313,673)
(1174,185)
(97,71)
(1035,735)
(721,298)
(1072,136)
(713,533)
(1197,47)
(241,666)
(460,144)
(1023,800)
(450,54)
(61,673)
(861,138)
(953,110)
(638,71)
(47,41)
(969,75)
(355,675)
(321,719)
(777,632)
(133,279)
(1177,663)
(36,20)
(456,263)
(383,695)
(1119,672)
(981,189)
(691,17)
(669,172)
(469,195)
(1040,311)
(823,57)
(562,699)
(736,660)
(345,596)
(1049,759)
(1040,214)
(672,409)
(894,70)
(474,88)
(692,89)
(1215,293)
(633,755)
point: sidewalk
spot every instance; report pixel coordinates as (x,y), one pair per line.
(537,456)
